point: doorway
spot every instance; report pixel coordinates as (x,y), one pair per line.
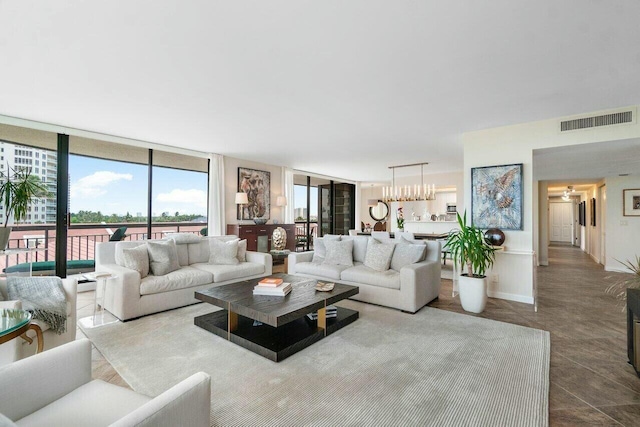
(561,222)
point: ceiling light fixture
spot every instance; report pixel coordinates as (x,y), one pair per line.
(403,193)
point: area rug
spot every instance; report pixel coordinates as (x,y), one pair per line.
(432,368)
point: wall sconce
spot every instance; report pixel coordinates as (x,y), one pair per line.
(281,201)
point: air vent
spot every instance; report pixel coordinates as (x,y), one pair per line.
(596,121)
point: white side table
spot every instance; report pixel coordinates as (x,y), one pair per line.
(100,315)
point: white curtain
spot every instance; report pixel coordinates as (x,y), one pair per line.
(217,222)
(287,191)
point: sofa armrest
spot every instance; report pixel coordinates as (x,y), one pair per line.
(419,284)
(121,291)
(296,257)
(261,258)
(188,403)
(71,291)
(30,384)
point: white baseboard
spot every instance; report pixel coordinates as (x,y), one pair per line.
(617,269)
(511,297)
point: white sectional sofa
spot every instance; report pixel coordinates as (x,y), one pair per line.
(129,295)
(408,287)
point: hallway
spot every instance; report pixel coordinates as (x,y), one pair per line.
(591,381)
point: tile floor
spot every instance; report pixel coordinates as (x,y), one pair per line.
(591,382)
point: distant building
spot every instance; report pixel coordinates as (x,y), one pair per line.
(43,164)
(300,212)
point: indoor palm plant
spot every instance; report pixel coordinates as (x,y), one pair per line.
(470,250)
(619,288)
(17,188)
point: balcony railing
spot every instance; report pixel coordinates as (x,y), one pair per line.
(82,238)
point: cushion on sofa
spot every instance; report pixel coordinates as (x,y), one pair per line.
(319,250)
(183,238)
(404,239)
(242,250)
(223,253)
(136,259)
(407,253)
(222,273)
(359,247)
(199,251)
(368,276)
(322,270)
(120,246)
(378,255)
(339,252)
(183,254)
(332,236)
(184,277)
(163,257)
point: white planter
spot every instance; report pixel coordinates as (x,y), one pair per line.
(5,233)
(473,293)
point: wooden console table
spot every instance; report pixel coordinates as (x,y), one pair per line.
(253,233)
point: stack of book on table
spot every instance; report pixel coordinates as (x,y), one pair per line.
(273,286)
(332,311)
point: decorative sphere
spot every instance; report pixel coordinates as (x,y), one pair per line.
(279,239)
(494,236)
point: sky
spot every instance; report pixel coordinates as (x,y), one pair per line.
(300,198)
(117,187)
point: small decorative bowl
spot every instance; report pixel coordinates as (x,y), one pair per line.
(260,221)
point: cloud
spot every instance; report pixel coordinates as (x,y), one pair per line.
(193,196)
(94,185)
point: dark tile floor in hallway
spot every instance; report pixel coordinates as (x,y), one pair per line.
(591,381)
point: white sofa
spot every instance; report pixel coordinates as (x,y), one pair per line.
(19,348)
(55,389)
(128,296)
(408,289)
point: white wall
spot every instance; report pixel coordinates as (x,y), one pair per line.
(622,232)
(231,165)
(515,144)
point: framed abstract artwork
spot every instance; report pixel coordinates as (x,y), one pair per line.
(631,202)
(257,185)
(593,211)
(496,197)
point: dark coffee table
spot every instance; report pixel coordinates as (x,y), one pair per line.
(285,329)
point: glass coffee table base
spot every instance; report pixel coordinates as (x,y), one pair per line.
(98,319)
(274,343)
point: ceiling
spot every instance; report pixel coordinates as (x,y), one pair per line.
(343,89)
(586,163)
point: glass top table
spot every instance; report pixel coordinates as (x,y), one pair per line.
(13,323)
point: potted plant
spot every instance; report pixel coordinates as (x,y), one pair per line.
(17,188)
(400,219)
(619,287)
(470,250)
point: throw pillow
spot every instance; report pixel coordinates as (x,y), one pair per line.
(182,238)
(418,243)
(319,250)
(332,236)
(223,253)
(136,259)
(378,256)
(339,252)
(407,253)
(163,257)
(242,250)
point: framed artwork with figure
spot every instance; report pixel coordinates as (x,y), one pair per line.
(631,202)
(257,185)
(496,197)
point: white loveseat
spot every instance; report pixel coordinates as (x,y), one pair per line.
(129,296)
(54,388)
(408,289)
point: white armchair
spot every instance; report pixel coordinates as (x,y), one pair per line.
(54,388)
(18,348)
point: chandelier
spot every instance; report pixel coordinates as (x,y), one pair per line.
(567,193)
(407,193)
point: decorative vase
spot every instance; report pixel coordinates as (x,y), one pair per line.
(279,239)
(473,293)
(494,236)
